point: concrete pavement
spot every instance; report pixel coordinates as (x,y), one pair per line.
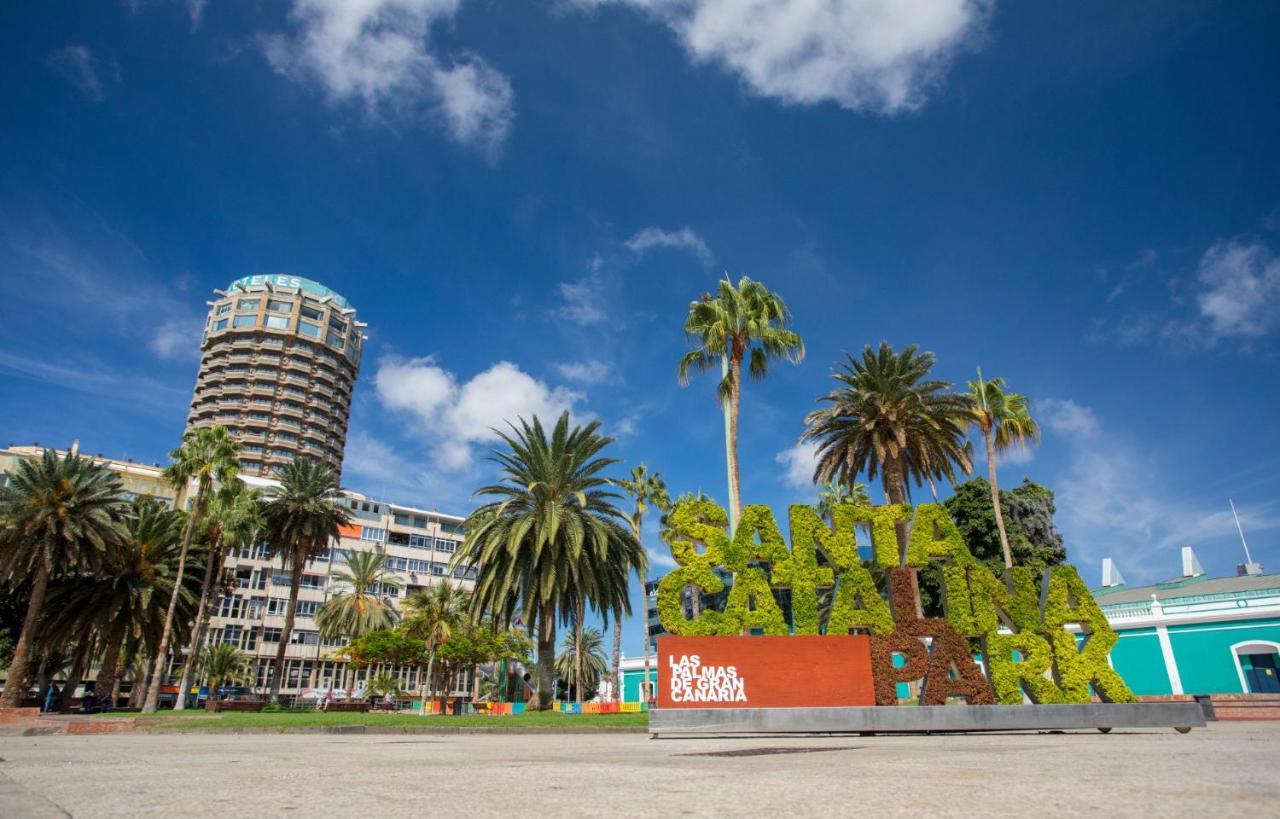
(1226,769)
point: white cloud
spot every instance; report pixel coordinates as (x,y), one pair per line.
(583,301)
(176,339)
(682,239)
(94,377)
(1068,418)
(454,415)
(798,464)
(1240,295)
(378,53)
(78,65)
(586,372)
(1111,504)
(661,559)
(882,56)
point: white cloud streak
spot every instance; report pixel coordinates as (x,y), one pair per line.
(78,66)
(584,372)
(683,239)
(880,56)
(1240,290)
(378,53)
(798,464)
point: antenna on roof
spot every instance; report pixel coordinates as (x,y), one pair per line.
(1249,566)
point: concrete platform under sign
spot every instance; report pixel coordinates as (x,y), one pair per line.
(668,722)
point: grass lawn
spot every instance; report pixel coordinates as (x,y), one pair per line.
(537,719)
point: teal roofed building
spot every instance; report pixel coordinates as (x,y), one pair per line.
(1194,634)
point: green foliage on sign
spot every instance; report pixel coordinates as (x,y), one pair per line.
(884,536)
(800,571)
(1010,677)
(692,524)
(1067,601)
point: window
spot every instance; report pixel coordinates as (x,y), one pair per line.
(309,329)
(419,542)
(438,569)
(291,422)
(338,325)
(310,312)
(334,340)
(279,605)
(303,638)
(446,546)
(278,306)
(397,564)
(252,448)
(271,635)
(259,416)
(278,322)
(244,321)
(398,538)
(292,390)
(223,309)
(403,520)
(373,534)
(261,399)
(286,436)
(418,566)
(220,324)
(248,304)
(269,371)
(282,453)
(302,345)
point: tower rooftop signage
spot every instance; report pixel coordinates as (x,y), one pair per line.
(296,282)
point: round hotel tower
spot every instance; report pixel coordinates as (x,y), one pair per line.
(279,359)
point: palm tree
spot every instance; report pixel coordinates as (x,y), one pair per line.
(206,455)
(746,322)
(582,660)
(434,615)
(885,418)
(302,517)
(58,516)
(644,489)
(234,518)
(384,683)
(553,540)
(1005,421)
(222,663)
(834,493)
(360,606)
(126,602)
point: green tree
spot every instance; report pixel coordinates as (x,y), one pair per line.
(126,602)
(360,605)
(58,517)
(233,520)
(221,663)
(480,643)
(1004,418)
(645,488)
(582,661)
(1028,510)
(384,683)
(302,517)
(207,455)
(434,614)
(553,539)
(388,646)
(834,494)
(887,418)
(743,323)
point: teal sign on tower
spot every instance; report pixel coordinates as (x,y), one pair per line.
(284,280)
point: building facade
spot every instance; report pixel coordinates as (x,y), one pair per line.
(279,361)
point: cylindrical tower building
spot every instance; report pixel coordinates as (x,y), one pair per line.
(279,359)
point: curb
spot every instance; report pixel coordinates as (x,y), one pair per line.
(393,730)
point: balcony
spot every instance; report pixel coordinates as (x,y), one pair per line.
(262,388)
(257,423)
(291,411)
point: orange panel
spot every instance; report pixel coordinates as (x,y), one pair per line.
(351,530)
(765,672)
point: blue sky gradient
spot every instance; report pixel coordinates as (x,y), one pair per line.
(522,198)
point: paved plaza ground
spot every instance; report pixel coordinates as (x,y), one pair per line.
(1227,769)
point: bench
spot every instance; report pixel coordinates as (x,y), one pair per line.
(357,707)
(238,705)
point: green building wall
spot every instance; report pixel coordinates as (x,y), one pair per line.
(1205,657)
(1137,658)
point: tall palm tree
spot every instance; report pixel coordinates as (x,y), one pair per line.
(434,614)
(302,517)
(207,455)
(747,322)
(644,488)
(834,494)
(582,661)
(222,663)
(126,602)
(553,539)
(234,519)
(361,604)
(1005,421)
(886,418)
(58,517)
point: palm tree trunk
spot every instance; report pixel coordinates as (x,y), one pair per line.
(730,449)
(202,622)
(108,674)
(76,674)
(735,482)
(577,655)
(152,700)
(141,674)
(15,687)
(546,656)
(295,581)
(617,658)
(995,497)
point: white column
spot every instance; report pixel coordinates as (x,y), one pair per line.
(1166,647)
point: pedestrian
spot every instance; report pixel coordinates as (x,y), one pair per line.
(51,696)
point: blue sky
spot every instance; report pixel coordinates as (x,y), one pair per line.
(521,198)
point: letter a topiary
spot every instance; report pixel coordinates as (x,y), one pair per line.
(951,671)
(1067,600)
(751,606)
(691,524)
(934,536)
